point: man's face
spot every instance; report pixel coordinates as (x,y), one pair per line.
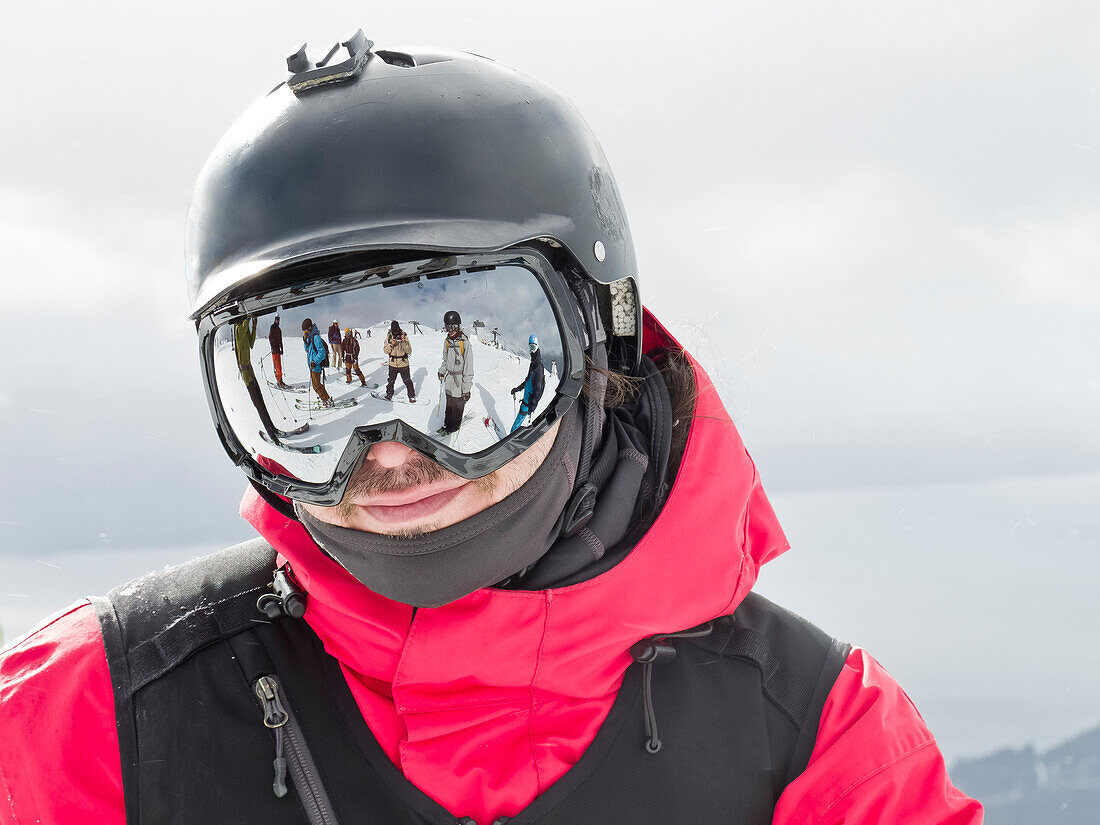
(399,492)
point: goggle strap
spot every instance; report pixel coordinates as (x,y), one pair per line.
(584,290)
(280,504)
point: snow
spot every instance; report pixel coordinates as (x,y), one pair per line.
(496,371)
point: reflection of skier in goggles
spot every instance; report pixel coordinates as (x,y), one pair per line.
(532,385)
(398,349)
(456,371)
(350,348)
(316,358)
(244,337)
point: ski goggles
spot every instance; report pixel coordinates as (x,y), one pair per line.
(299,417)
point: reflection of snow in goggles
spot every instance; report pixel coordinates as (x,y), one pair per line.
(299,420)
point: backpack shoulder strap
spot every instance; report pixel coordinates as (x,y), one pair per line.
(154,623)
(798,664)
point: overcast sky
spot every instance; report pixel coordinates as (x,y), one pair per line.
(877,224)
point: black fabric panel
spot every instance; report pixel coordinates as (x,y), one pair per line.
(807,738)
(206,756)
(192,631)
(799,663)
(124,705)
(171,614)
(714,768)
(154,623)
(363,785)
(783,687)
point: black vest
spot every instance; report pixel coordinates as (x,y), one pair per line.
(214,701)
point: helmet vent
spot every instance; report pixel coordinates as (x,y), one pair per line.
(402,59)
(624,308)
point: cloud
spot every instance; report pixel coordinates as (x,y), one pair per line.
(65,260)
(873,309)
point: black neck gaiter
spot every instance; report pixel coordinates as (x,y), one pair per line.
(629,470)
(447,564)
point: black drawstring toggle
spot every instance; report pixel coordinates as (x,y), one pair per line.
(286,600)
(657,650)
(652,651)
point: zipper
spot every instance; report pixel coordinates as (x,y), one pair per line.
(292,755)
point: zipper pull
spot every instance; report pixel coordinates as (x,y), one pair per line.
(275,716)
(267,690)
(279,785)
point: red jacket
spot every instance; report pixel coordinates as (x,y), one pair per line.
(486,702)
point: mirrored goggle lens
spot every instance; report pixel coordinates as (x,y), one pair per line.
(295,390)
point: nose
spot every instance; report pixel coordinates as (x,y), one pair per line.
(389,454)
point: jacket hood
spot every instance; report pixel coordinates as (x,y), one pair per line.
(436,684)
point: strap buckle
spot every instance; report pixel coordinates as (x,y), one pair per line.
(579,510)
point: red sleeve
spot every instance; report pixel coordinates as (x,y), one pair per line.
(59,760)
(874,761)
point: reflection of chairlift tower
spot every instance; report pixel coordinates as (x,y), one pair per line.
(416,328)
(553,368)
(496,332)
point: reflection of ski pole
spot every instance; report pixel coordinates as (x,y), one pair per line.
(284,407)
(263,372)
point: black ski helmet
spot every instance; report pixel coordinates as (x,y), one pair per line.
(451,318)
(386,151)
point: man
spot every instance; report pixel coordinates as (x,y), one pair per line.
(275,340)
(350,348)
(334,341)
(316,359)
(398,348)
(557,628)
(244,338)
(532,386)
(456,371)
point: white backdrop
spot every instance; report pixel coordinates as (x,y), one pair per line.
(877,224)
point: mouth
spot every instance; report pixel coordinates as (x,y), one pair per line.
(412,505)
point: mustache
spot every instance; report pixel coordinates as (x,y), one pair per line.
(371,480)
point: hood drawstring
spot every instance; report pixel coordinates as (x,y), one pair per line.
(656,650)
